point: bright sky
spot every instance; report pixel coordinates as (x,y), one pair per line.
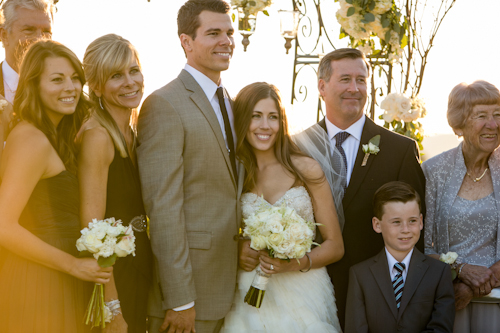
(466,47)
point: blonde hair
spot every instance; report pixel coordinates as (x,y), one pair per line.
(105,55)
(465,96)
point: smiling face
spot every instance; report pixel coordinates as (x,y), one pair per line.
(60,88)
(400,227)
(124,88)
(30,26)
(345,92)
(264,126)
(212,48)
(482,129)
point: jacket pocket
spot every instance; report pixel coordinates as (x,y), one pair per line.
(201,240)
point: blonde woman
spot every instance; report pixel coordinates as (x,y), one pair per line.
(108,176)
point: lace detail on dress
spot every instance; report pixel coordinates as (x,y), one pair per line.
(297,198)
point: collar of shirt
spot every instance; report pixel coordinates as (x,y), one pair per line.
(391,261)
(208,86)
(354,130)
(11,78)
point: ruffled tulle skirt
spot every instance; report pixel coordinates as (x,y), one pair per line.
(35,298)
(293,302)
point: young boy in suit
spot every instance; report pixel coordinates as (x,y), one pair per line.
(400,289)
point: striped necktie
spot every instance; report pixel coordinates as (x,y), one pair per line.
(340,137)
(398,283)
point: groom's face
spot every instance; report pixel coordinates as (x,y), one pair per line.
(345,92)
(211,50)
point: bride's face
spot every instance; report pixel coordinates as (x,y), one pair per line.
(264,126)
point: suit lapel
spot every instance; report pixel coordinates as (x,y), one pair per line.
(201,101)
(380,271)
(416,272)
(359,172)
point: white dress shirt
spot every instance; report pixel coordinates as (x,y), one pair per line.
(210,89)
(391,261)
(10,81)
(351,144)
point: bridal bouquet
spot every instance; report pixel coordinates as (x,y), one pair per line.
(284,234)
(106,240)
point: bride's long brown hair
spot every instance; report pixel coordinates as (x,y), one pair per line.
(284,147)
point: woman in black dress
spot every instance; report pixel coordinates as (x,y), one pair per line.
(108,176)
(41,281)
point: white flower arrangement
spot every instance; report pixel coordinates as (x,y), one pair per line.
(284,233)
(401,108)
(252,6)
(371,148)
(364,19)
(106,240)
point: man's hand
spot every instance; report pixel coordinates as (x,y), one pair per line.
(179,321)
(248,257)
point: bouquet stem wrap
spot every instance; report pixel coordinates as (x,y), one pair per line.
(257,290)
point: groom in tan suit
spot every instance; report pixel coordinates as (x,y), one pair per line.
(189,179)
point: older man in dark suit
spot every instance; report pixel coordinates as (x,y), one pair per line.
(343,76)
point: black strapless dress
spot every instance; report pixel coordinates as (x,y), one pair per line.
(132,274)
(33,297)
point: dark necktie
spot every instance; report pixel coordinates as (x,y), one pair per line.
(340,137)
(398,283)
(227,128)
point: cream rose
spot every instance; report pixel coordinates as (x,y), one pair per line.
(125,247)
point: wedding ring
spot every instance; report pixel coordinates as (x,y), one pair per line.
(272,267)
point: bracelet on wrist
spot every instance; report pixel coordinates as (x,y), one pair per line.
(460,269)
(310,264)
(114,307)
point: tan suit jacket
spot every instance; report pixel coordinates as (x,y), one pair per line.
(192,199)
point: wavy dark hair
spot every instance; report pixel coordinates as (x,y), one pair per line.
(28,104)
(284,147)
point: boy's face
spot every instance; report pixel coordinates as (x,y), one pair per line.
(400,227)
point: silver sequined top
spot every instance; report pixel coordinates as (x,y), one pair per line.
(472,228)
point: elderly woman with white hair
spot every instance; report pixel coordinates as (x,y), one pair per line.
(463,205)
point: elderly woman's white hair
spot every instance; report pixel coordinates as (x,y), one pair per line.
(8,13)
(465,96)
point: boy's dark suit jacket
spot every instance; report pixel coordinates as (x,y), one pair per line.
(398,159)
(427,305)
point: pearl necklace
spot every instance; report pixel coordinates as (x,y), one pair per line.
(475,180)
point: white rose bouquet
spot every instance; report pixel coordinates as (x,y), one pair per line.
(281,231)
(106,240)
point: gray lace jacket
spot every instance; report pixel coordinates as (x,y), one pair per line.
(444,175)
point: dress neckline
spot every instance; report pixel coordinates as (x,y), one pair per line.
(279,199)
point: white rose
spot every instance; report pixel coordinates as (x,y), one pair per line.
(448,258)
(275,240)
(275,227)
(296,232)
(92,243)
(382,6)
(407,117)
(80,245)
(403,103)
(284,247)
(125,247)
(115,231)
(258,243)
(389,116)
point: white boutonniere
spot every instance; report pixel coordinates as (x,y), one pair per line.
(371,148)
(450,258)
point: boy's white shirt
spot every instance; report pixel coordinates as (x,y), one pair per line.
(391,261)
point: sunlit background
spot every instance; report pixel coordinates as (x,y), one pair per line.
(465,49)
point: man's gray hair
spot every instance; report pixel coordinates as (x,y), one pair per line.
(8,13)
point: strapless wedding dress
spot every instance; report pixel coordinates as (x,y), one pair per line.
(294,301)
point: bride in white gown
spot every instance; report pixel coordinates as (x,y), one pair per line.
(299,296)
